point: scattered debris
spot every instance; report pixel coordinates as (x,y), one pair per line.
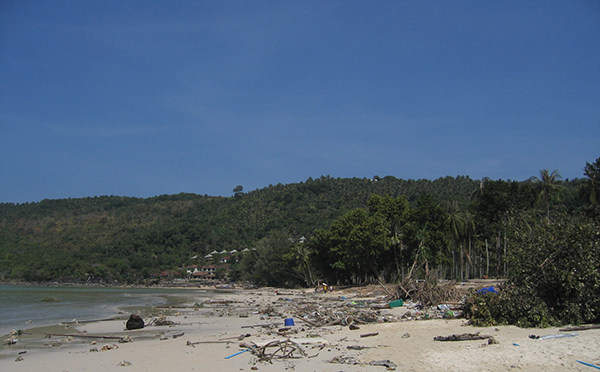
(491,341)
(124,363)
(162,321)
(49,335)
(109,347)
(561,335)
(462,337)
(238,353)
(343,360)
(282,350)
(580,328)
(20,359)
(272,325)
(369,334)
(396,303)
(589,364)
(384,363)
(125,339)
(357,347)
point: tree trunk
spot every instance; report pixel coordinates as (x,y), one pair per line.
(462,263)
(498,260)
(487,254)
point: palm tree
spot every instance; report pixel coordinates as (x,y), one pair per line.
(549,186)
(591,189)
(476,194)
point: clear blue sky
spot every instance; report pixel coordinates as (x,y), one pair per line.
(143,98)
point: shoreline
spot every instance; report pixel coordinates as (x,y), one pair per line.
(207,334)
(107,285)
(24,307)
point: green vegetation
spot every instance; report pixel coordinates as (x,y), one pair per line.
(541,234)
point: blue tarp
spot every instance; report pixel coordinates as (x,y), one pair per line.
(487,290)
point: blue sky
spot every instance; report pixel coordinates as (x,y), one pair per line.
(143,98)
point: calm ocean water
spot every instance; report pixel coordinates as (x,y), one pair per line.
(19,304)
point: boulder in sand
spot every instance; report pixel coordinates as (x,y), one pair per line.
(134,322)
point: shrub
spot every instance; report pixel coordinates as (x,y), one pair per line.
(554,279)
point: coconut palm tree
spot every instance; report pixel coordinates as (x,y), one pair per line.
(549,186)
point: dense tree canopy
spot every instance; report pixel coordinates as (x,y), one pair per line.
(356,230)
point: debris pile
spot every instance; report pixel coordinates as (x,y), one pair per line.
(275,350)
(162,321)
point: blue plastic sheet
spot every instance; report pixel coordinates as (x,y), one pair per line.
(487,290)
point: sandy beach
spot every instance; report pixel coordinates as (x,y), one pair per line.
(201,338)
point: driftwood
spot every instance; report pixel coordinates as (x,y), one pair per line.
(190,343)
(239,338)
(462,337)
(299,317)
(343,321)
(580,328)
(369,334)
(283,350)
(49,335)
(162,321)
(262,325)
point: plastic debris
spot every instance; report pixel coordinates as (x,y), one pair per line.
(396,303)
(487,290)
(588,364)
(384,363)
(561,335)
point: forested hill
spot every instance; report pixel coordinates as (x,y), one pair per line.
(125,237)
(128,239)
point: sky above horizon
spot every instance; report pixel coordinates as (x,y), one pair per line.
(144,98)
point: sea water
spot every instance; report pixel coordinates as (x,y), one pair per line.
(23,307)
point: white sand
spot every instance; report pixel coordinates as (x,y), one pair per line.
(419,352)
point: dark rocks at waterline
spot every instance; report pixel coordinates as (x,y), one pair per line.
(134,322)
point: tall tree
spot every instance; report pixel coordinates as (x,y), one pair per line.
(457,233)
(549,186)
(591,189)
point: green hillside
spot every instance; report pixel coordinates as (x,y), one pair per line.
(124,239)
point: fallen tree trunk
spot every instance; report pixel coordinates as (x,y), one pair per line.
(580,328)
(462,337)
(49,335)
